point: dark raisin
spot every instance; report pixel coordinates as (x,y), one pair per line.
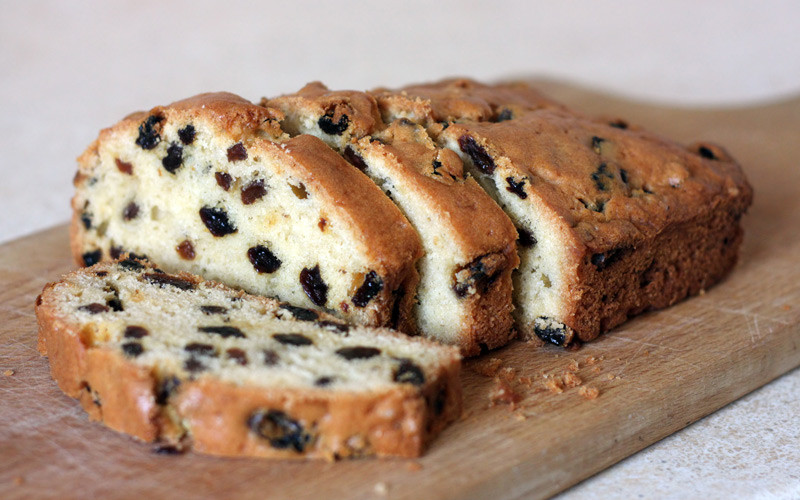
(186,250)
(601,177)
(115,304)
(132,349)
(436,165)
(86,219)
(217,222)
(263,260)
(168,449)
(300,313)
(439,402)
(372,286)
(200,349)
(237,152)
(94,308)
(213,309)
(174,158)
(597,143)
(92,258)
(135,332)
(148,132)
(707,153)
(478,276)
(223,331)
(327,125)
(131,211)
(315,288)
(505,114)
(194,365)
(296,339)
(518,188)
(479,156)
(324,381)
(550,332)
(124,167)
(354,158)
(358,352)
(162,279)
(623,174)
(603,260)
(322,223)
(130,264)
(223,179)
(237,355)
(334,326)
(621,124)
(186,134)
(270,357)
(397,297)
(409,373)
(115,252)
(166,388)
(279,430)
(299,191)
(253,192)
(526,238)
(101,274)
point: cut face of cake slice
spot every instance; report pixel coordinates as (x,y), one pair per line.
(186,362)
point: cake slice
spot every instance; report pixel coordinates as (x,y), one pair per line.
(212,185)
(187,363)
(464,295)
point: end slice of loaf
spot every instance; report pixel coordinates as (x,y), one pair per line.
(212,185)
(175,359)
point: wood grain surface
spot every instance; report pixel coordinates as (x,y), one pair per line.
(655,374)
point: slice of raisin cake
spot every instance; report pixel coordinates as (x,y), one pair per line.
(464,295)
(172,359)
(212,185)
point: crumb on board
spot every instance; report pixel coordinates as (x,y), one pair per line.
(381,488)
(504,393)
(573,366)
(589,392)
(19,481)
(591,360)
(610,376)
(414,466)
(571,380)
(554,385)
(8,373)
(490,367)
(786,307)
(520,417)
(526,381)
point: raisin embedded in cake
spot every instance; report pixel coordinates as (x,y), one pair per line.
(187,362)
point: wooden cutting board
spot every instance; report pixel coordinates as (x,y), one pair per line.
(655,375)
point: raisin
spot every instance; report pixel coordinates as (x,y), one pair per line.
(397,296)
(315,288)
(296,339)
(94,308)
(476,276)
(253,192)
(279,430)
(186,134)
(372,286)
(186,250)
(115,304)
(601,177)
(327,125)
(217,222)
(479,156)
(200,349)
(322,223)
(148,133)
(505,114)
(603,260)
(223,180)
(270,357)
(92,258)
(194,365)
(168,449)
(620,124)
(334,326)
(135,332)
(547,331)
(263,260)
(409,373)
(707,153)
(174,158)
(223,331)
(324,381)
(358,352)
(131,211)
(86,219)
(166,388)
(518,188)
(439,402)
(623,174)
(597,143)
(237,355)
(132,349)
(101,274)
(213,309)
(124,167)
(354,158)
(162,279)
(237,152)
(130,264)
(526,238)
(436,165)
(300,313)
(299,191)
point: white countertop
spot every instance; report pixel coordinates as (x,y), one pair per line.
(68,69)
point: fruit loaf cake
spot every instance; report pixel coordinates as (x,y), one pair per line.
(187,363)
(212,185)
(464,294)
